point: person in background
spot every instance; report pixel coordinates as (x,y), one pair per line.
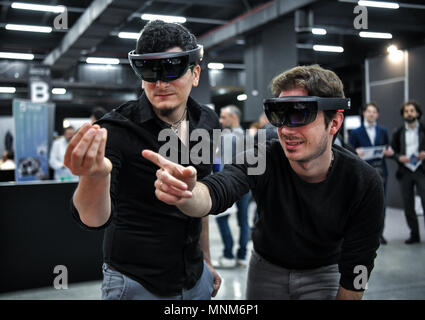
(408,143)
(7,161)
(57,154)
(230,119)
(253,128)
(369,134)
(97,113)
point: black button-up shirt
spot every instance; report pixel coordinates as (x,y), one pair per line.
(146,239)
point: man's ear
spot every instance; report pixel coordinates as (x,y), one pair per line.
(196,74)
(336,123)
(143,84)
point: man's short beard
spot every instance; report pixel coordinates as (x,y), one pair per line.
(167,112)
(410,120)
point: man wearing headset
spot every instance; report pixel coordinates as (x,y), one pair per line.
(320,207)
(409,151)
(151,250)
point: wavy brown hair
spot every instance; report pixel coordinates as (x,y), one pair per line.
(316,80)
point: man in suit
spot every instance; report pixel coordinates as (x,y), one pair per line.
(409,146)
(369,134)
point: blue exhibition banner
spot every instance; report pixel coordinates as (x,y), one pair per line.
(31,140)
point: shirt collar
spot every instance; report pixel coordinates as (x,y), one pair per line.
(145,109)
(367,125)
(406,125)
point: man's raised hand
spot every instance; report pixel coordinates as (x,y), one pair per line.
(174,182)
(85,154)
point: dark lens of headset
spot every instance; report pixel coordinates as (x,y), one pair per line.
(297,117)
(275,117)
(149,70)
(291,114)
(173,68)
(167,69)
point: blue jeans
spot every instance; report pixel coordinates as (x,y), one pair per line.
(226,234)
(117,286)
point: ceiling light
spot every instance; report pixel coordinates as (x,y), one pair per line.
(379,4)
(129,35)
(318,47)
(37,7)
(7,89)
(58,90)
(147,16)
(376,35)
(215,66)
(103,60)
(242,97)
(23,27)
(392,48)
(15,55)
(394,54)
(318,31)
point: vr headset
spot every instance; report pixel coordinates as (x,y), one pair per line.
(297,111)
(164,66)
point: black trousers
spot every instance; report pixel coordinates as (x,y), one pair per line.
(408,180)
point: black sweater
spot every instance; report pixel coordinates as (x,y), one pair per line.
(308,225)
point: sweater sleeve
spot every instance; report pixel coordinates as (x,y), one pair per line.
(235,180)
(226,187)
(361,239)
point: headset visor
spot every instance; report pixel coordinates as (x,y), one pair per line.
(300,111)
(164,66)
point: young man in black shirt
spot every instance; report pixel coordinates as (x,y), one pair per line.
(320,207)
(151,250)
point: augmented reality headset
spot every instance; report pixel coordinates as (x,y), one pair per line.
(164,66)
(298,111)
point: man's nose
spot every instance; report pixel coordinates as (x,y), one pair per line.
(288,131)
(160,84)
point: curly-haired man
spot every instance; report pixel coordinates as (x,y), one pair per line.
(151,250)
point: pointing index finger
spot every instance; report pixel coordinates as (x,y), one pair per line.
(159,160)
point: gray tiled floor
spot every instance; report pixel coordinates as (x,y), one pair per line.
(398,274)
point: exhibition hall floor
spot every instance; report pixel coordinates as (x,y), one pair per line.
(398,273)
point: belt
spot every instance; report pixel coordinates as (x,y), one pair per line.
(110,267)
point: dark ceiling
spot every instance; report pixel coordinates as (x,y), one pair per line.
(97,30)
(407,25)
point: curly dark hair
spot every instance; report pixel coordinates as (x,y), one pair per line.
(316,80)
(413,103)
(159,36)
